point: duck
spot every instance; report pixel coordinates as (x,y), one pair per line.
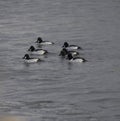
(64,52)
(28,59)
(33,50)
(75,59)
(71,47)
(41,42)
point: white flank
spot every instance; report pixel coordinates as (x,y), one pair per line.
(77,60)
(74,53)
(39,52)
(46,43)
(31,60)
(72,48)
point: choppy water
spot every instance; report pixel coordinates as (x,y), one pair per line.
(55,90)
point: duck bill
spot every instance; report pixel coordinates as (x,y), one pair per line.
(29,49)
(36,41)
(59,54)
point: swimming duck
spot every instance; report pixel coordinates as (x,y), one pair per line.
(28,59)
(70,47)
(64,52)
(41,42)
(32,50)
(75,59)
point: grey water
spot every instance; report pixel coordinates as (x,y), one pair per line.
(56,90)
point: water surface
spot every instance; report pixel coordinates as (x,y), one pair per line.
(56,90)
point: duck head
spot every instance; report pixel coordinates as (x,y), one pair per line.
(65,44)
(39,40)
(32,48)
(69,56)
(26,56)
(63,52)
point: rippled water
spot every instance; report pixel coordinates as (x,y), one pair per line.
(56,90)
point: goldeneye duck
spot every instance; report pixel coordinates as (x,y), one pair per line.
(71,47)
(75,59)
(41,42)
(28,59)
(32,50)
(64,52)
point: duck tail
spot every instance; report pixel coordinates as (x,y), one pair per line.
(84,60)
(80,48)
(39,59)
(46,51)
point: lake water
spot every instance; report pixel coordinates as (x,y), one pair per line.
(56,90)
